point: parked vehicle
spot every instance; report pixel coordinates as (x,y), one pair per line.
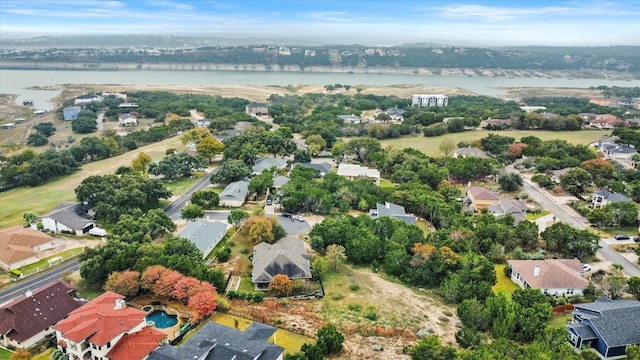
(268,202)
(586,267)
(622,237)
(286,214)
(636,239)
(298,217)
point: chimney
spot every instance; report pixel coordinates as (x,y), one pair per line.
(536,270)
(120,304)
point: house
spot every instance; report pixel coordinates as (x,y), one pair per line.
(470,152)
(87,98)
(234,194)
(216,341)
(279,181)
(392,211)
(205,235)
(266,163)
(127,105)
(532,108)
(95,330)
(603,197)
(587,116)
(620,153)
(203,123)
(127,120)
(349,119)
(606,326)
(28,318)
(71,112)
(395,114)
(115,95)
(557,174)
(429,100)
(323,168)
(516,208)
(20,246)
(481,198)
(67,217)
(287,256)
(606,121)
(353,172)
(257,109)
(492,123)
(558,277)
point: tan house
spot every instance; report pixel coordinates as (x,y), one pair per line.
(20,246)
(481,198)
(558,277)
(353,172)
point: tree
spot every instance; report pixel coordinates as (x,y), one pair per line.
(301,156)
(614,284)
(315,143)
(125,283)
(209,147)
(575,180)
(624,213)
(140,164)
(542,180)
(601,217)
(236,217)
(598,168)
(330,339)
(335,255)
(192,212)
(429,348)
(203,304)
(45,128)
(36,139)
(30,218)
(230,171)
(262,183)
(447,146)
(509,181)
(281,285)
(319,265)
(195,135)
(85,123)
(206,199)
(633,352)
(363,148)
(634,286)
(175,166)
(260,229)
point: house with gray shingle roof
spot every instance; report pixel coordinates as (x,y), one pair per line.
(516,208)
(234,194)
(205,235)
(393,211)
(603,197)
(287,256)
(279,181)
(323,168)
(470,152)
(266,163)
(68,217)
(216,341)
(606,326)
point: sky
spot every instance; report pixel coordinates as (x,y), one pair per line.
(367,22)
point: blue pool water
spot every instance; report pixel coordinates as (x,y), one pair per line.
(162,320)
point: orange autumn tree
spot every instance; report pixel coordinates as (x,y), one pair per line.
(281,285)
(203,304)
(125,283)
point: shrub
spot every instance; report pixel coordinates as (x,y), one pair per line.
(354,307)
(336,296)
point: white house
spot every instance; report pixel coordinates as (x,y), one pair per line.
(87,98)
(557,277)
(353,172)
(349,119)
(603,197)
(67,218)
(429,100)
(127,120)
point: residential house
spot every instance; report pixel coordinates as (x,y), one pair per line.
(587,117)
(353,172)
(94,331)
(257,109)
(393,211)
(516,208)
(349,119)
(481,198)
(492,123)
(29,317)
(205,235)
(323,168)
(216,341)
(127,105)
(279,181)
(606,121)
(606,326)
(532,108)
(71,112)
(87,98)
(266,163)
(470,152)
(235,194)
(603,197)
(395,114)
(20,246)
(288,256)
(115,95)
(127,120)
(620,153)
(203,123)
(429,100)
(557,277)
(68,217)
(557,174)
(630,121)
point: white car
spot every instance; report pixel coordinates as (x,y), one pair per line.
(298,217)
(586,267)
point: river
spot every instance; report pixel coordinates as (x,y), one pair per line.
(17,81)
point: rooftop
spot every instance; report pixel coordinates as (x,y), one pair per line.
(16,243)
(203,233)
(137,345)
(353,170)
(70,214)
(287,256)
(236,190)
(611,196)
(553,273)
(616,321)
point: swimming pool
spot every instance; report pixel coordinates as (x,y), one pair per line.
(162,320)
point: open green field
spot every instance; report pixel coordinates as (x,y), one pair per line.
(5,354)
(291,342)
(429,145)
(504,283)
(44,198)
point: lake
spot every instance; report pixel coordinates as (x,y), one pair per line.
(16,81)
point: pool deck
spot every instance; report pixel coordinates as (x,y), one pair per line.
(173,331)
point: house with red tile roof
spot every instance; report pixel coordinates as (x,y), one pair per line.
(95,330)
(558,277)
(606,121)
(28,319)
(19,246)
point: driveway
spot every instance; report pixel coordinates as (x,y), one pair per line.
(292,227)
(219,215)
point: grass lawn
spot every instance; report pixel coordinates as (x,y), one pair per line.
(43,263)
(626,230)
(533,217)
(558,321)
(504,283)
(181,185)
(430,145)
(246,285)
(45,355)
(424,225)
(44,198)
(386,183)
(87,291)
(291,342)
(5,354)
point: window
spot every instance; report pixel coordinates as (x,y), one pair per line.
(109,345)
(545,291)
(569,291)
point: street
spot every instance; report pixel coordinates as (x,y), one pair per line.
(174,209)
(36,281)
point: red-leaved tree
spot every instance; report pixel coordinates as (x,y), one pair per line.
(125,283)
(202,304)
(183,288)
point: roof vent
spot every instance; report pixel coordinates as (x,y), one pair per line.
(536,271)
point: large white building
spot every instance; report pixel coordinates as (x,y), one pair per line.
(429,100)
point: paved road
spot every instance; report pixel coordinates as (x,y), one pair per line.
(37,281)
(174,209)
